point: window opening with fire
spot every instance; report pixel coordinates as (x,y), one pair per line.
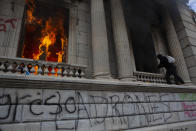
(45,32)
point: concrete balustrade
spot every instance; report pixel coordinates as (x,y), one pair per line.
(30,67)
(149,77)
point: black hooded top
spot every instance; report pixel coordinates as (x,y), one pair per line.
(165,63)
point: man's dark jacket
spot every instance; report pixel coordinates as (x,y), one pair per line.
(165,63)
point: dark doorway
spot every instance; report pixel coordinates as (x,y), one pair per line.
(140,16)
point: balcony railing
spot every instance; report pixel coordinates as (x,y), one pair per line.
(29,67)
(23,66)
(149,77)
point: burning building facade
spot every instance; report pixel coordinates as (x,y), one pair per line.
(91,65)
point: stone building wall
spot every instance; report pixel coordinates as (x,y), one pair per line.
(50,103)
(11,16)
(28,105)
(186,29)
(83,49)
(82,39)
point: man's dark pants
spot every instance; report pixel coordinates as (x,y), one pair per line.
(172,71)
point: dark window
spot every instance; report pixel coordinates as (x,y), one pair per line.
(140,16)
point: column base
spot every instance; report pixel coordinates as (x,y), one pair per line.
(102,76)
(128,78)
(188,83)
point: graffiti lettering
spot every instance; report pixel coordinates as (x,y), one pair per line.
(189,109)
(4,23)
(72,102)
(97,110)
(7,103)
(185,96)
(39,102)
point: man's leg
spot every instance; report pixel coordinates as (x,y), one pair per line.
(167,77)
(177,78)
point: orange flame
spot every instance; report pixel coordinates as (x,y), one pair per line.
(36,69)
(30,11)
(50,45)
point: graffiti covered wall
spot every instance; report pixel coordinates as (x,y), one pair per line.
(73,110)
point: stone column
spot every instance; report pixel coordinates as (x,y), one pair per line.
(175,48)
(72,46)
(100,52)
(124,51)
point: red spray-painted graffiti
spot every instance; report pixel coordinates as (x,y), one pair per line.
(187,109)
(6,22)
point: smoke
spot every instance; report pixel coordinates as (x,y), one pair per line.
(144,11)
(58,3)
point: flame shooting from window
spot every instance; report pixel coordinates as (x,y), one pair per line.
(45,36)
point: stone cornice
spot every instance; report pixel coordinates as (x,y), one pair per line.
(7,81)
